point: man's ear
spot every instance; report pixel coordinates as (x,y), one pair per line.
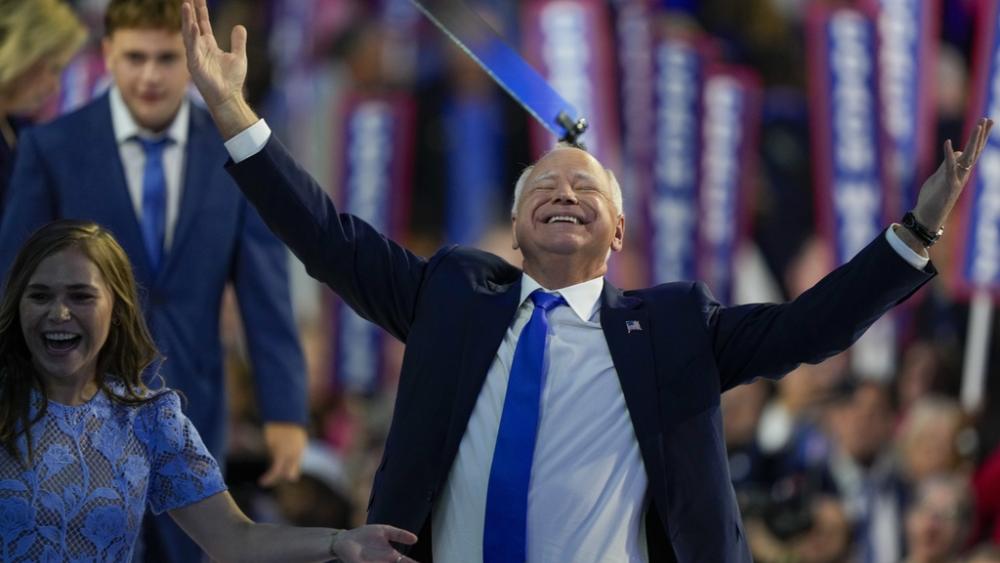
(618,240)
(513,232)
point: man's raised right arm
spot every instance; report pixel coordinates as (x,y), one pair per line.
(378,278)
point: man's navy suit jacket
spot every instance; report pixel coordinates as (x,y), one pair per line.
(71,168)
(453,310)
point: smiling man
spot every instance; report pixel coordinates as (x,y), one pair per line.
(145,162)
(567,217)
(544,415)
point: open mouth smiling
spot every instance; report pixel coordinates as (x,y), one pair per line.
(563,219)
(60,341)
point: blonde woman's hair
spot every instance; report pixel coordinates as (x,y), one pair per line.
(31,30)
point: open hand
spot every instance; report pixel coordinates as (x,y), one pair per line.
(218,75)
(940,192)
(370,544)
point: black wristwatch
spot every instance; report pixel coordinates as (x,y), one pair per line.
(927,238)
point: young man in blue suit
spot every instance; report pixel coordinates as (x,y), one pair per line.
(612,449)
(145,162)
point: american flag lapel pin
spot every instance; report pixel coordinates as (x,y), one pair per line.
(632,326)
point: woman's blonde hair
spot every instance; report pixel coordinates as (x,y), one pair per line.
(30,31)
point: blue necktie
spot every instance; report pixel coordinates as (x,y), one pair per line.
(154,199)
(504,535)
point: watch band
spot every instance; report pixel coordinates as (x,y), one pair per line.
(926,236)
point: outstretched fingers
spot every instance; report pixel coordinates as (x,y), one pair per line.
(204,23)
(975,145)
(984,135)
(238,41)
(195,26)
(959,164)
(399,535)
(189,26)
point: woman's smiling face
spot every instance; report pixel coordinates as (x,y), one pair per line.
(65,315)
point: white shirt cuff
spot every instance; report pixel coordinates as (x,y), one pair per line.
(248,142)
(916,260)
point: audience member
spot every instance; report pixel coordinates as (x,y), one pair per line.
(863,470)
(935,438)
(144,161)
(86,444)
(937,524)
(37,39)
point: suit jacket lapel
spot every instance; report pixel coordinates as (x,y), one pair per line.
(112,187)
(201,147)
(489,317)
(627,330)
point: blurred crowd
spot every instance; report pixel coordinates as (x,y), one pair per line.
(829,465)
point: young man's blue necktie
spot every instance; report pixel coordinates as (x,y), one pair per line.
(504,535)
(154,199)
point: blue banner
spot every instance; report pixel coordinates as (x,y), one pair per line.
(732,108)
(473,125)
(570,43)
(847,145)
(375,161)
(634,31)
(846,134)
(907,58)
(979,245)
(679,67)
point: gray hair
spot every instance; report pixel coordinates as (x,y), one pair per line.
(616,190)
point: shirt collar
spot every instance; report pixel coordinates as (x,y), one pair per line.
(583,298)
(126,128)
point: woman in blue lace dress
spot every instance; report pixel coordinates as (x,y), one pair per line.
(86,445)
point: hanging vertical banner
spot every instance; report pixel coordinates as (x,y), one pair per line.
(907,55)
(845,132)
(634,31)
(847,141)
(634,25)
(472,123)
(978,266)
(679,66)
(569,42)
(732,105)
(377,159)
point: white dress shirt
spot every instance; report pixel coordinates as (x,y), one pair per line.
(587,496)
(133,158)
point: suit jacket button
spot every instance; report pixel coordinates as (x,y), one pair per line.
(430,495)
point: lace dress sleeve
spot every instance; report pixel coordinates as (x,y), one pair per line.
(182,471)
